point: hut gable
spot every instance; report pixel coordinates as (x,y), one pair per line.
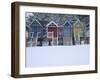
(78,24)
(67,24)
(52,24)
(52,27)
(36,28)
(67,29)
(78,30)
(36,23)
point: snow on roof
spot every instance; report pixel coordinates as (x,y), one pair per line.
(67,21)
(79,22)
(37,22)
(51,23)
(29,14)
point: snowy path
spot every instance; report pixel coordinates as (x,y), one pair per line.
(57,56)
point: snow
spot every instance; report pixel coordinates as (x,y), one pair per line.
(57,56)
(29,14)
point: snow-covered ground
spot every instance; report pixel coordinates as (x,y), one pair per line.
(57,56)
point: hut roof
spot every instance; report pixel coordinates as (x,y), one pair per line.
(67,21)
(52,22)
(37,22)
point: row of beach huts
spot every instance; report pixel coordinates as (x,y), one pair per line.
(44,33)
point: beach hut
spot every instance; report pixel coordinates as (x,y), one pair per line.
(67,33)
(78,30)
(52,33)
(36,33)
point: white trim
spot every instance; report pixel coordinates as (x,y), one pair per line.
(50,37)
(78,21)
(30,23)
(53,23)
(37,22)
(66,22)
(48,34)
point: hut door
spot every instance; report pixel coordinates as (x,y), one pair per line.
(77,32)
(50,38)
